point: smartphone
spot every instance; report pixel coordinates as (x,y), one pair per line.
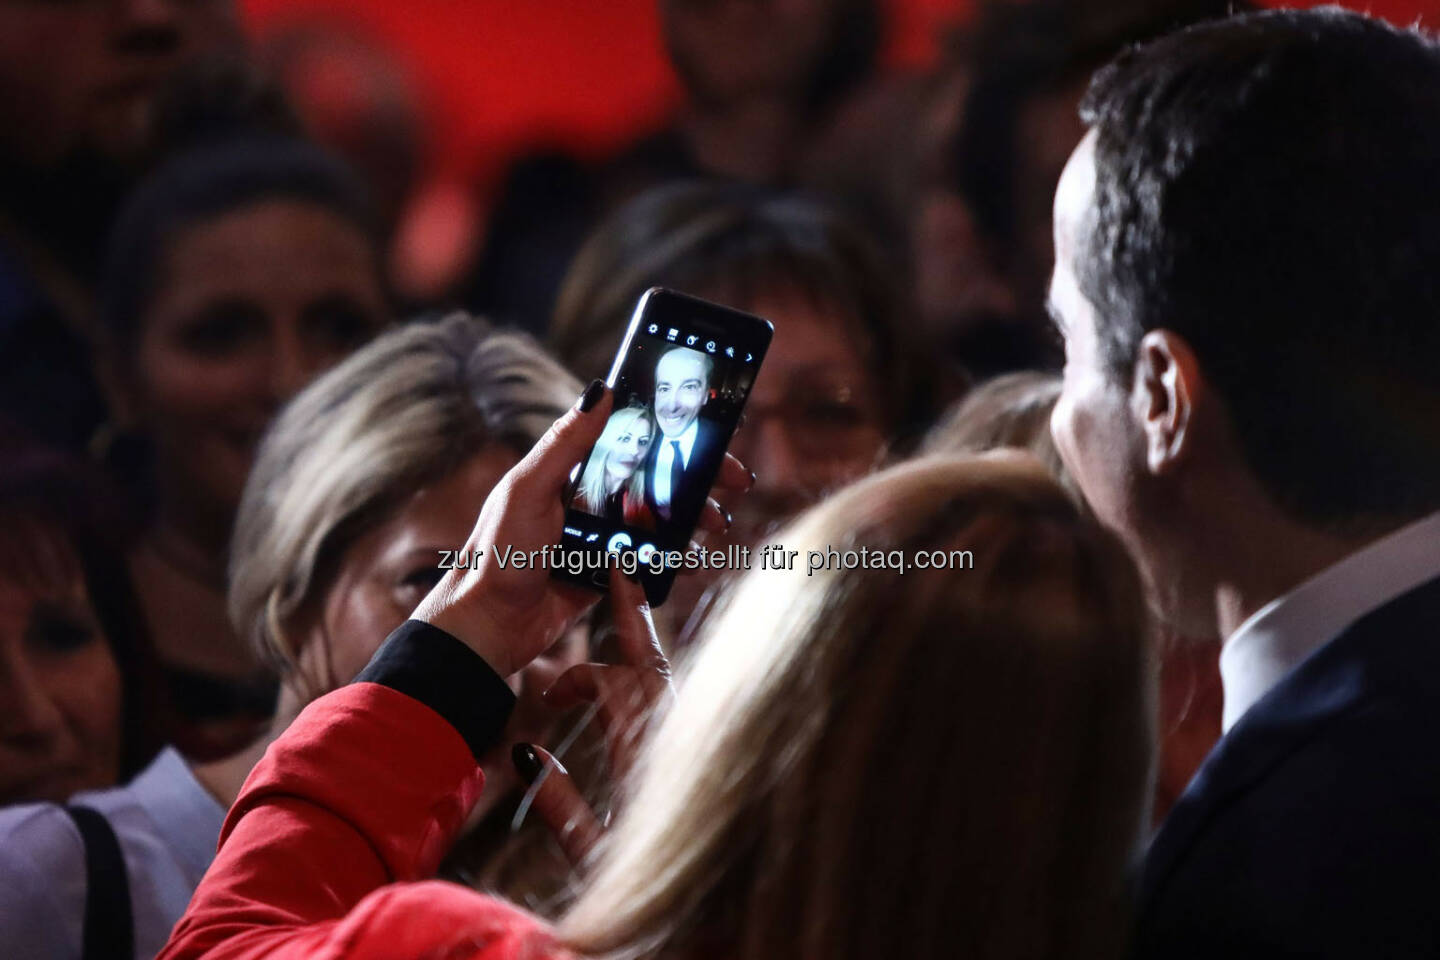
(680,381)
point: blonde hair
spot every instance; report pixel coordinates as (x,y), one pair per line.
(404,411)
(1009,411)
(924,763)
(591,491)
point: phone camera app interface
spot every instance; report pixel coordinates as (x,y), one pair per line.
(678,395)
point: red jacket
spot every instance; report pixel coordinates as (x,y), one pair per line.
(327,850)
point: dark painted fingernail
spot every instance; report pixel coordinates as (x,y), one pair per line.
(729,520)
(592,395)
(526,760)
(753,480)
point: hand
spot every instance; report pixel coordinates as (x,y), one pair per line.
(558,803)
(626,695)
(509,616)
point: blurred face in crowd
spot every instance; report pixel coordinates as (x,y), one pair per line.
(385,574)
(965,279)
(814,420)
(957,284)
(60,697)
(83,75)
(954,278)
(682,385)
(732,51)
(249,307)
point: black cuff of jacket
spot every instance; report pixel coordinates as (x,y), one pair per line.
(430,665)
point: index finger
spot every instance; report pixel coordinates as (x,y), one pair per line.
(636,638)
(558,802)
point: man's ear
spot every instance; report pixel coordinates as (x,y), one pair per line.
(1167,391)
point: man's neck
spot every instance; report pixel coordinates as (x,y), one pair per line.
(686,436)
(1273,559)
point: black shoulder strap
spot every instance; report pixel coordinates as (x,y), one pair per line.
(109,926)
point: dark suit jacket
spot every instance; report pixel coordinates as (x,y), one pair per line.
(1313,828)
(685,504)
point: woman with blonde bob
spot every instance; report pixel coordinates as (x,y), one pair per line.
(613,484)
(361,488)
(924,762)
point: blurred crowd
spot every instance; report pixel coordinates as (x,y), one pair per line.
(241,420)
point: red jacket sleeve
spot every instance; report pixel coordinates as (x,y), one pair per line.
(366,788)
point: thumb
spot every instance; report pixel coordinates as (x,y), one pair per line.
(549,462)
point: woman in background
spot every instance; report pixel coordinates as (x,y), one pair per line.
(363,486)
(375,469)
(843,381)
(72,651)
(239,271)
(613,484)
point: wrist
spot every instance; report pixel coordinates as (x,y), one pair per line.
(481,635)
(470,622)
(428,664)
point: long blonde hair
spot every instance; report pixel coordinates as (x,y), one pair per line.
(591,492)
(910,762)
(1009,411)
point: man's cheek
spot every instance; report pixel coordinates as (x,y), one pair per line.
(1061,431)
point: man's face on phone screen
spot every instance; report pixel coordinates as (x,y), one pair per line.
(682,381)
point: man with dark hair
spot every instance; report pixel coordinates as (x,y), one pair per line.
(1247,243)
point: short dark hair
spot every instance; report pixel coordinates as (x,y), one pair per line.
(204,183)
(1266,187)
(59,517)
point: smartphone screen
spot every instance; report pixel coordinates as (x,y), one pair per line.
(680,381)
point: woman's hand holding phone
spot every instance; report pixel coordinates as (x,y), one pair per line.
(510,614)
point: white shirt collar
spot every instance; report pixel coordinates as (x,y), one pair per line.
(1278,636)
(686,441)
